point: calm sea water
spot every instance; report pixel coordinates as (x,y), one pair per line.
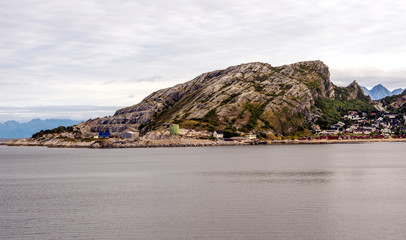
(352,191)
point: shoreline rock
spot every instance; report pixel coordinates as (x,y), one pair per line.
(112,143)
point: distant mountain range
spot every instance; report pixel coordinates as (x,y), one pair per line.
(13,129)
(379,92)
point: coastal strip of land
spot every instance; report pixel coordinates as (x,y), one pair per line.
(121,143)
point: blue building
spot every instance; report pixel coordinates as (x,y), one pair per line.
(104,134)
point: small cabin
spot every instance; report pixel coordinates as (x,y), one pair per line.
(386,131)
(104,134)
(251,136)
(92,135)
(130,134)
(218,134)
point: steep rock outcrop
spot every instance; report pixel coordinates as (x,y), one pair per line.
(352,91)
(396,101)
(253,96)
(400,102)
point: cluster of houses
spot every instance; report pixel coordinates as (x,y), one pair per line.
(127,134)
(135,134)
(356,125)
(174,130)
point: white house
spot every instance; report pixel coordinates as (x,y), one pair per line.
(370,128)
(316,128)
(130,134)
(386,131)
(330,132)
(251,136)
(341,124)
(218,134)
(361,131)
(367,132)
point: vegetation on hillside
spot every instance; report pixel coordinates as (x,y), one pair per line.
(401,110)
(59,129)
(343,93)
(285,122)
(390,99)
(335,109)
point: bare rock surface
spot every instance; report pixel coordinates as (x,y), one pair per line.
(256,93)
(252,97)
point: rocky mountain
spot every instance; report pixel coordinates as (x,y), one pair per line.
(249,97)
(379,91)
(397,91)
(395,103)
(13,129)
(366,91)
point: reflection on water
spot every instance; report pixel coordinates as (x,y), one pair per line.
(257,192)
(265,174)
(275,177)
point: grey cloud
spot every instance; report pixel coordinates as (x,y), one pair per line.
(75,112)
(52,45)
(110,82)
(146,79)
(370,77)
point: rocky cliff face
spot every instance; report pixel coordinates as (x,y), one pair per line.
(399,102)
(254,96)
(396,102)
(352,91)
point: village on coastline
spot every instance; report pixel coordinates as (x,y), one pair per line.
(353,126)
(294,103)
(362,125)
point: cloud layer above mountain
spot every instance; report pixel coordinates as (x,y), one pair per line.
(116,52)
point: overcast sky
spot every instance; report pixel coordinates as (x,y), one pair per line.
(59,54)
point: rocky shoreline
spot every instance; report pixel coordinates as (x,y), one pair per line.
(352,141)
(114,143)
(120,143)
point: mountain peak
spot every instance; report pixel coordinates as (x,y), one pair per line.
(379,91)
(380,86)
(397,91)
(14,129)
(255,96)
(354,83)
